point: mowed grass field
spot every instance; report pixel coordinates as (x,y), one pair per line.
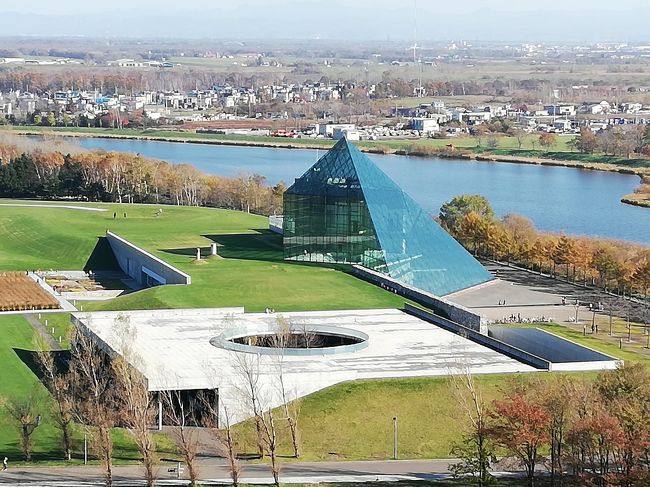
(251,272)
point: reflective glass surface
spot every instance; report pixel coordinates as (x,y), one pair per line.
(344,209)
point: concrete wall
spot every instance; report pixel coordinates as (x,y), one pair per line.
(138,263)
(275,223)
(486,341)
(442,306)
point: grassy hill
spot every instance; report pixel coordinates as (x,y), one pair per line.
(250,271)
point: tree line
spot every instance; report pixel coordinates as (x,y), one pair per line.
(617,266)
(98,392)
(595,432)
(122,177)
(615,141)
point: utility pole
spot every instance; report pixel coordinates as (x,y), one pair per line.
(394,437)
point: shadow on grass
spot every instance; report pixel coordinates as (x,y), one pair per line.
(30,359)
(263,246)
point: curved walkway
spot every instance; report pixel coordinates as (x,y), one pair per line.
(67,207)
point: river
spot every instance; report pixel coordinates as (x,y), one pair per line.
(574,201)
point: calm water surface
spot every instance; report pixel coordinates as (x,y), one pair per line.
(574,201)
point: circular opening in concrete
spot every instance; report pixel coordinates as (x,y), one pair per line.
(291,340)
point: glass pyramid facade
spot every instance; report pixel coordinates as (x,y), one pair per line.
(344,209)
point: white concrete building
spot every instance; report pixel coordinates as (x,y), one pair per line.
(197,349)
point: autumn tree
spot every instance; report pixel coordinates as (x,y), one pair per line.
(558,398)
(520,426)
(563,253)
(547,140)
(641,276)
(453,212)
(606,264)
(625,394)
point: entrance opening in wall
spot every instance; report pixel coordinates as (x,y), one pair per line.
(152,279)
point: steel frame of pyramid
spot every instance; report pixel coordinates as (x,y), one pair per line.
(345,209)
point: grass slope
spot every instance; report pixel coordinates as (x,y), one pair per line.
(18,381)
(251,272)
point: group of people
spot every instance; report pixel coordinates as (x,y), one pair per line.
(592,307)
(508,320)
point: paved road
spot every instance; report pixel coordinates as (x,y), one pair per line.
(216,471)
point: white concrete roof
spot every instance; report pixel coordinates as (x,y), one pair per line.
(173,350)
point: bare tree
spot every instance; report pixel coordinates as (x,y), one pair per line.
(93,390)
(181,419)
(271,443)
(24,411)
(285,335)
(135,404)
(475,451)
(218,420)
(248,367)
(58,384)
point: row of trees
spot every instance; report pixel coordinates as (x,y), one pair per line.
(612,265)
(595,431)
(92,390)
(615,141)
(98,393)
(121,177)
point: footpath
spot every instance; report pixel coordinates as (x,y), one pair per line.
(215,472)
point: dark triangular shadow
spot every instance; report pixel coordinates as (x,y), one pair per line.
(102,258)
(30,359)
(262,245)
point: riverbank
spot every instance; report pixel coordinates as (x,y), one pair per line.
(442,148)
(637,199)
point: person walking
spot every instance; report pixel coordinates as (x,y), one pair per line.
(4,463)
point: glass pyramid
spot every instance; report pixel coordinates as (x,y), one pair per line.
(344,209)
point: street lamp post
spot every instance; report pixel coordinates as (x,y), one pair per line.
(610,321)
(394,437)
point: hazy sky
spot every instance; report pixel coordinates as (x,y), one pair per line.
(575,20)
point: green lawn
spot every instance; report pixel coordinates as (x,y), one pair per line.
(354,420)
(18,381)
(251,272)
